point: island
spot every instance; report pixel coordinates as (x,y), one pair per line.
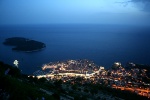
(24,44)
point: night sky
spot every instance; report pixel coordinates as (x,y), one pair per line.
(136,12)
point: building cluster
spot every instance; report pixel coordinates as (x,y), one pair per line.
(76,65)
(131,79)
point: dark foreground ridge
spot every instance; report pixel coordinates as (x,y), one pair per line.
(24,44)
(17,86)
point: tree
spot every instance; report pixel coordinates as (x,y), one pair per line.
(14,72)
(42,80)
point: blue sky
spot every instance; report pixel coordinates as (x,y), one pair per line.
(74,11)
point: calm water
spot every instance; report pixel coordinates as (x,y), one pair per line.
(104,44)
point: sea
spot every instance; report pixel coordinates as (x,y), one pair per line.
(103,44)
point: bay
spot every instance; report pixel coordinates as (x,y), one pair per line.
(104,44)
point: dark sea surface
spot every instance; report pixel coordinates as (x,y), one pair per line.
(104,44)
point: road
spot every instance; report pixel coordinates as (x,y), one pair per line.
(139,91)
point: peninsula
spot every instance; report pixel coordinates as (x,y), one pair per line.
(24,44)
(131,77)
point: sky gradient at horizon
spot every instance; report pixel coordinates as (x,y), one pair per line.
(72,11)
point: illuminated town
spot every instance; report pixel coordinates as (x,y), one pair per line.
(130,78)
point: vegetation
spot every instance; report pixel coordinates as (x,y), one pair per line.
(23,44)
(16,86)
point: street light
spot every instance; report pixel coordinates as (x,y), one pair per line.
(16,62)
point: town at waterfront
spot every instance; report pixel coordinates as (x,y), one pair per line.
(131,77)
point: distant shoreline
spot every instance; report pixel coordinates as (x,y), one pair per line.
(30,51)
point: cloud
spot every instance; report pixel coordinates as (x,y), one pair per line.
(142,4)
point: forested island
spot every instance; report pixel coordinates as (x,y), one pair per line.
(24,44)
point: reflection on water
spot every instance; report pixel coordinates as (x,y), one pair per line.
(104,44)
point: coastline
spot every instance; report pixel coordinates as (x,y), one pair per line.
(32,50)
(24,44)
